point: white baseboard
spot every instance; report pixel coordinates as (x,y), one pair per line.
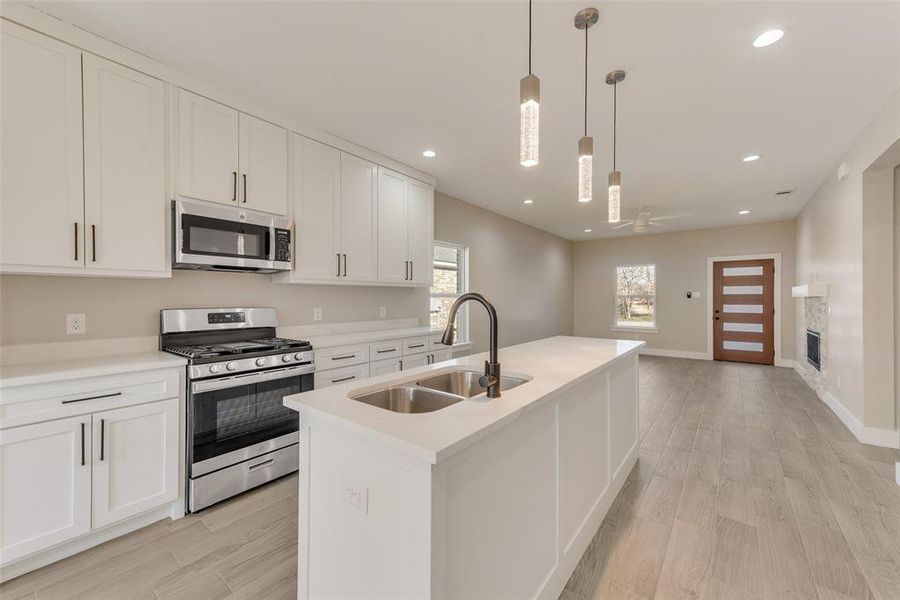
(786,362)
(675,353)
(867,435)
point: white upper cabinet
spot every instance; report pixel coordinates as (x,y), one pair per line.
(420,225)
(45,485)
(41,199)
(124,168)
(405,228)
(207,149)
(316,209)
(263,165)
(358,224)
(393,255)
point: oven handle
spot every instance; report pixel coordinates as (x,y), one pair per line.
(221,383)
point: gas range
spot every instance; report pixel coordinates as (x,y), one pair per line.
(240,435)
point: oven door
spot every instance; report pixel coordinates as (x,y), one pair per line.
(235,418)
(215,237)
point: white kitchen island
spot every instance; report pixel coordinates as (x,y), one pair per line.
(486,498)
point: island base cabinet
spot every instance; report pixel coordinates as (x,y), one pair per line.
(508,516)
(45,485)
(135,460)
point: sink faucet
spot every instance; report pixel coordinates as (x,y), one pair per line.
(491,378)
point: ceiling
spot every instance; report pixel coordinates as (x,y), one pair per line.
(400,77)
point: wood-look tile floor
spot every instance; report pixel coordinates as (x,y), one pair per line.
(747,487)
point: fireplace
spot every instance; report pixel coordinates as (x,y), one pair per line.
(812,349)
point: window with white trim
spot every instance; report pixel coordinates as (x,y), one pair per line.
(450,279)
(636,297)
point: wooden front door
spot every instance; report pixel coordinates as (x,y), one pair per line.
(744,311)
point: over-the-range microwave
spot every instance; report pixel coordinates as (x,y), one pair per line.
(216,237)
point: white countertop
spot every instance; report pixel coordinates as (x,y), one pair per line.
(77,368)
(553,364)
(364,337)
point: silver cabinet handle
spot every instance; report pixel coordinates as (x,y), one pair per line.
(262,465)
(102,437)
(244,176)
(92,398)
(340,379)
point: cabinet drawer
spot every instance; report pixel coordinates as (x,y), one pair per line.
(388,349)
(332,377)
(382,367)
(415,345)
(342,356)
(434,343)
(42,402)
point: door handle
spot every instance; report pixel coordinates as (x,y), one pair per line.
(93,243)
(234,186)
(244,176)
(102,437)
(717,318)
(76,240)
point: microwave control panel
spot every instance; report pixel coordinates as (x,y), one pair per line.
(282,245)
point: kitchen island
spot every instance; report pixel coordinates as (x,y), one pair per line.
(484,498)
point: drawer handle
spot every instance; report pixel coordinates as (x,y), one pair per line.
(343,379)
(385,350)
(417,345)
(114,394)
(343,357)
(262,465)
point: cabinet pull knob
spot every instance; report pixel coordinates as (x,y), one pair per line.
(234,186)
(244,176)
(76,240)
(93,243)
(102,437)
(82,444)
(92,398)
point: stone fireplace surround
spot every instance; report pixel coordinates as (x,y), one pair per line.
(814,317)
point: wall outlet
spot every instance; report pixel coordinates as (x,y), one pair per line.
(317,313)
(76,324)
(356,496)
(382,312)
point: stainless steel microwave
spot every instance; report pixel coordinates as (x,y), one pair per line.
(216,237)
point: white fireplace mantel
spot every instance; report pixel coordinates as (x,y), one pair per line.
(810,290)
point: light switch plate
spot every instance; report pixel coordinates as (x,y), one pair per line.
(317,313)
(357,496)
(76,324)
(382,311)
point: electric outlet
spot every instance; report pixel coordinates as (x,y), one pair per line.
(357,496)
(382,311)
(76,324)
(317,313)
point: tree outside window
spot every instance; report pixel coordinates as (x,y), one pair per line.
(636,296)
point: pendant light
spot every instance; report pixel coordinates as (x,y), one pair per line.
(615,177)
(584,20)
(529,110)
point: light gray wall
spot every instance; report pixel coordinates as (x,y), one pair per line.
(525,272)
(681,265)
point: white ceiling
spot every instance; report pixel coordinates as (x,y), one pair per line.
(400,77)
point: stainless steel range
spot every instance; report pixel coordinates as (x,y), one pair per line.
(240,435)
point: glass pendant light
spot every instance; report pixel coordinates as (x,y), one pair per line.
(615,177)
(584,20)
(529,110)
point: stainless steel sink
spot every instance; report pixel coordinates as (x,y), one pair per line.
(465,383)
(408,399)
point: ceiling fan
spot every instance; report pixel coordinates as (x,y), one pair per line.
(644,219)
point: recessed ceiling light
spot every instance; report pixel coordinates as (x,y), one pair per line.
(751,157)
(743,212)
(529,201)
(429,154)
(767,38)
(588,230)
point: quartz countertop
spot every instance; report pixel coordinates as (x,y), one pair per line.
(77,368)
(552,366)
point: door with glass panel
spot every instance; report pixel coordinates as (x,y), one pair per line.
(744,311)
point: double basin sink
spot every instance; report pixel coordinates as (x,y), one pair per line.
(433,392)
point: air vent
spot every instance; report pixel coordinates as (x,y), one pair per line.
(784,193)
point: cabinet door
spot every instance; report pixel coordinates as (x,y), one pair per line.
(441,355)
(358,221)
(393,259)
(207,159)
(45,485)
(263,165)
(135,466)
(420,219)
(317,208)
(416,360)
(41,200)
(124,168)
(382,367)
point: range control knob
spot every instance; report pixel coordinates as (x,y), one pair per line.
(260,362)
(287,358)
(215,368)
(231,366)
(298,356)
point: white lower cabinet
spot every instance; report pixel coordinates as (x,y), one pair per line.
(45,485)
(383,367)
(415,360)
(135,460)
(332,377)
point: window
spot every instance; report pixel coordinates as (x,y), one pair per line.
(450,280)
(636,297)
